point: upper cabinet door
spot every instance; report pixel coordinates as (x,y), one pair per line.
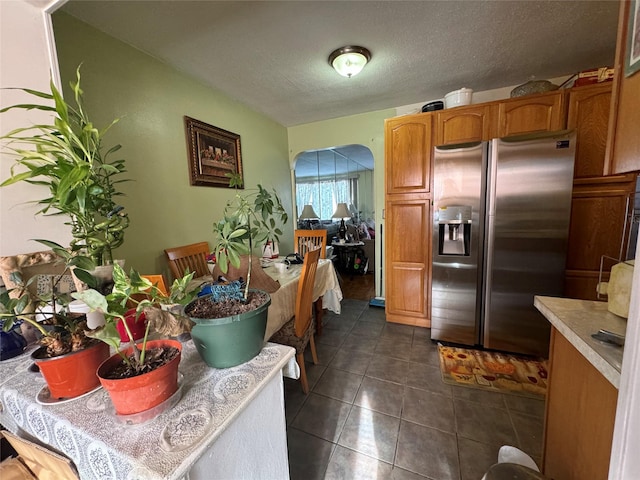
(463,125)
(623,151)
(588,115)
(539,113)
(408,154)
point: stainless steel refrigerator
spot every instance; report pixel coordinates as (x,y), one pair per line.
(501,221)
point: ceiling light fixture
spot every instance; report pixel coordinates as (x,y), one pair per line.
(349,61)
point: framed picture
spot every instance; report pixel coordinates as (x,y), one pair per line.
(213,153)
(632,61)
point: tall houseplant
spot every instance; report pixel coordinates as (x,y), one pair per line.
(230,324)
(248,221)
(67,157)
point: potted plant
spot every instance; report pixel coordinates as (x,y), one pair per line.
(67,357)
(230,322)
(144,375)
(67,158)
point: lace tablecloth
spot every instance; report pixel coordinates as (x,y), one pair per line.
(103,446)
(283,300)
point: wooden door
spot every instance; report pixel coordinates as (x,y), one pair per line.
(588,115)
(408,148)
(408,260)
(463,125)
(531,114)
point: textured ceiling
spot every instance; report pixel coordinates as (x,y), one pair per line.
(272,56)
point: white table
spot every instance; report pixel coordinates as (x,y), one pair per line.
(283,300)
(228,423)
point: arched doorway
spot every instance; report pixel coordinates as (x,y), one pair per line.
(326,178)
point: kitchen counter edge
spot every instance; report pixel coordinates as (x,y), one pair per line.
(576,320)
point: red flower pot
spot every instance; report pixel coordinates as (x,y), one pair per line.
(137,328)
(143,392)
(73,374)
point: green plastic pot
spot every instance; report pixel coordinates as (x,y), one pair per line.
(230,341)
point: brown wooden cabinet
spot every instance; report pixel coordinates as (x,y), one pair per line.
(579,418)
(463,125)
(408,259)
(408,147)
(599,204)
(588,115)
(408,154)
(599,219)
(623,148)
(531,114)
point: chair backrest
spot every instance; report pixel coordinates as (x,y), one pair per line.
(192,257)
(306,240)
(158,281)
(304,299)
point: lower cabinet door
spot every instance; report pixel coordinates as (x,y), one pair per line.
(408,253)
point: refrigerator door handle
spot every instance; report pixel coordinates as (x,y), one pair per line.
(488,281)
(491,178)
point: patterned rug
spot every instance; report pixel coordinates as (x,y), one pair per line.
(493,371)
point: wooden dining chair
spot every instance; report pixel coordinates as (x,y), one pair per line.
(305,240)
(299,331)
(192,257)
(158,281)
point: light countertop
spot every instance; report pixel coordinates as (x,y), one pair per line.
(576,320)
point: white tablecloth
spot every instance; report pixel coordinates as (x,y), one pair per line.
(103,447)
(283,300)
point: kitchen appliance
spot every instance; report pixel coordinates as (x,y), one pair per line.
(501,221)
(433,106)
(458,98)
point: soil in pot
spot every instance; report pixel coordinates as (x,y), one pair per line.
(204,307)
(155,358)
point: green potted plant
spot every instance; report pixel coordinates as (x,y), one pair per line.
(67,357)
(144,375)
(230,324)
(67,158)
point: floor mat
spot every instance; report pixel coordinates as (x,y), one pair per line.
(493,371)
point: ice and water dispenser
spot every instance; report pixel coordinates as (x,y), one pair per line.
(454,224)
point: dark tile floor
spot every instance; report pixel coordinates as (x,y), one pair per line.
(378,408)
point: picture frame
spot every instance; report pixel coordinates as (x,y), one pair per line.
(632,58)
(213,153)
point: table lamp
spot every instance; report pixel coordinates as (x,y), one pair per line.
(342,212)
(307,215)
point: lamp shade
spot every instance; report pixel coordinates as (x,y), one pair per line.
(341,212)
(349,61)
(308,213)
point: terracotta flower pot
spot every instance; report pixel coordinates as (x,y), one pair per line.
(73,374)
(137,328)
(143,392)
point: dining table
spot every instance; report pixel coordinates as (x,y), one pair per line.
(327,293)
(222,423)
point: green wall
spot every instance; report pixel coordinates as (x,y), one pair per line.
(151,99)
